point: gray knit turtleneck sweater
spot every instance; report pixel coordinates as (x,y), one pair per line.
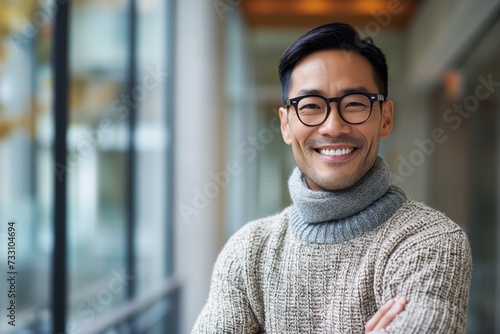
(272,278)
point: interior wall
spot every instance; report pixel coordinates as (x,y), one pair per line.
(441,33)
(242,144)
(436,40)
(461,134)
(410,118)
(197,138)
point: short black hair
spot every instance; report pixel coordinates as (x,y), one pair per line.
(332,36)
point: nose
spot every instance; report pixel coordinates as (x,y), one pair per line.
(334,125)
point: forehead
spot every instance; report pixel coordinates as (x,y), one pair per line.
(331,72)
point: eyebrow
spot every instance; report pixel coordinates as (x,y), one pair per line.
(349,90)
(359,89)
(306,91)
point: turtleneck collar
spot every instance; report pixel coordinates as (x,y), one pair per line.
(336,216)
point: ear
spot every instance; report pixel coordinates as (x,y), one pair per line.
(387,118)
(285,126)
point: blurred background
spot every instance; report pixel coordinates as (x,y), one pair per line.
(125,181)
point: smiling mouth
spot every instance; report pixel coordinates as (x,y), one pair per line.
(337,152)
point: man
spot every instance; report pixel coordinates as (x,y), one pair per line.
(350,244)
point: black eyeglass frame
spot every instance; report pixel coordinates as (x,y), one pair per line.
(371,96)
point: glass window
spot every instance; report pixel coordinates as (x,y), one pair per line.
(97,159)
(98,143)
(26,171)
(152,138)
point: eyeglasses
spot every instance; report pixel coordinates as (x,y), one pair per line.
(353,108)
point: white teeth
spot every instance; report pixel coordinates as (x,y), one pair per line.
(338,152)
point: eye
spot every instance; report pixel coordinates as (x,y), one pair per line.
(356,104)
(310,106)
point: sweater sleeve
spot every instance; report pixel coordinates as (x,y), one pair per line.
(434,274)
(227,309)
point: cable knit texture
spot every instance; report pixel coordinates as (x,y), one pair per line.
(268,280)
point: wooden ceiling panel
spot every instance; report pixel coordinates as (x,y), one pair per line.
(370,14)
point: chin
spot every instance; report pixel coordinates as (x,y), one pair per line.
(336,186)
(333,182)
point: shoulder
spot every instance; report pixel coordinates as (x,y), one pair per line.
(263,230)
(415,216)
(420,247)
(256,233)
(418,226)
(244,246)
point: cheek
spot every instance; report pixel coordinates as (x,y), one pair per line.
(371,131)
(300,135)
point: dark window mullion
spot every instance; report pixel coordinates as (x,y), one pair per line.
(60,66)
(130,250)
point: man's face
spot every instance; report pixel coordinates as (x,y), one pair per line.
(332,73)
